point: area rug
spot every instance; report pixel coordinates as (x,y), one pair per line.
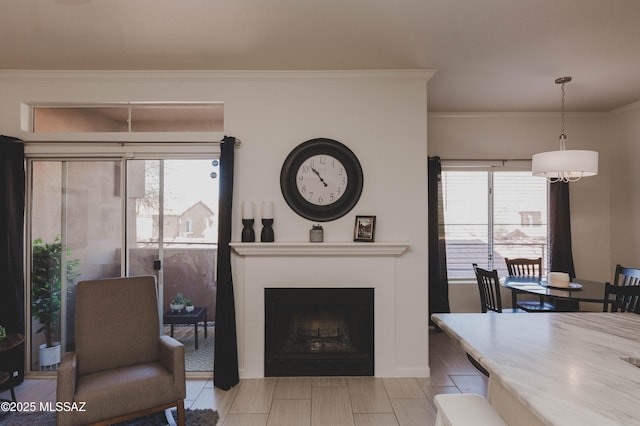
(200,360)
(206,417)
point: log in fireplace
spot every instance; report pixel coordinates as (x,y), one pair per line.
(319,332)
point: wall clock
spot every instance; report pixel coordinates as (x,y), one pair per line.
(321,179)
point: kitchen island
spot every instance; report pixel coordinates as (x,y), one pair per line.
(555,368)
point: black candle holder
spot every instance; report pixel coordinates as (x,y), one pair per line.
(248,234)
(266,236)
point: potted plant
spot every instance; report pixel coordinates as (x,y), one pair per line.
(46,279)
(188,305)
(177,304)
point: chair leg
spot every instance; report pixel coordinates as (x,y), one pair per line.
(181,416)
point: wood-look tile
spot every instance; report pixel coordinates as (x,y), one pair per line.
(244,419)
(471,384)
(331,406)
(414,412)
(446,355)
(216,399)
(439,377)
(194,387)
(403,388)
(329,381)
(368,395)
(290,412)
(293,388)
(338,400)
(254,396)
(379,419)
(432,391)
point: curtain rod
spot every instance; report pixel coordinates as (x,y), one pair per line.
(123,143)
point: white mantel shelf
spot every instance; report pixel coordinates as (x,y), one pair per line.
(320,249)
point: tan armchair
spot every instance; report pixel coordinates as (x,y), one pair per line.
(121,368)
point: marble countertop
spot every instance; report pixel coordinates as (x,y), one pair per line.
(566,368)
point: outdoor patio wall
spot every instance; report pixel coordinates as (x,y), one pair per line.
(380,115)
(519,136)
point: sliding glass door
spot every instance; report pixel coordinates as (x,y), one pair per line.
(172,231)
(100,218)
(76,233)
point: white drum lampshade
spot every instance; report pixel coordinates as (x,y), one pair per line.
(567,165)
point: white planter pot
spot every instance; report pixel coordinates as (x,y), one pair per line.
(49,357)
(190,308)
(176,307)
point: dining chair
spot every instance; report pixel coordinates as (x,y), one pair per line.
(489,288)
(523,267)
(624,276)
(490,301)
(627,298)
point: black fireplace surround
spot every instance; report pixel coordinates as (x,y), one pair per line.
(318,332)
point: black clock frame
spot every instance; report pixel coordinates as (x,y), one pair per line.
(319,146)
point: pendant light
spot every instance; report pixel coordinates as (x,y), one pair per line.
(565,165)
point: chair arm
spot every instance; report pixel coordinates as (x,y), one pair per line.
(172,357)
(67,377)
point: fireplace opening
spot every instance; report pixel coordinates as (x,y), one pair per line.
(319,332)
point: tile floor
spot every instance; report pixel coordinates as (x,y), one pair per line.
(319,401)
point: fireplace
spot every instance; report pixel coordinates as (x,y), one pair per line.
(319,332)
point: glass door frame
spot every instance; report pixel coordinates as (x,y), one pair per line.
(96,151)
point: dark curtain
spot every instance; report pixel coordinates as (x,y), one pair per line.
(438,280)
(560,229)
(225,366)
(12,184)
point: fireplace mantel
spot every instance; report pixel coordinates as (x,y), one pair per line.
(320,249)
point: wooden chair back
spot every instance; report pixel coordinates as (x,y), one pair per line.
(522,267)
(489,288)
(627,298)
(626,276)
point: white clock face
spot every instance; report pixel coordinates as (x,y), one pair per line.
(321,180)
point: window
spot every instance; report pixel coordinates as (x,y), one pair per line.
(490,215)
(129,118)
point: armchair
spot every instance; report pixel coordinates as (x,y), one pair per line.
(122,367)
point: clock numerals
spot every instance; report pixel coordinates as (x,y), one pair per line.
(321,179)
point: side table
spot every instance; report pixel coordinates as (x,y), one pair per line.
(184,317)
(11,342)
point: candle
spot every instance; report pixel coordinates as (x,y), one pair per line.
(267,209)
(247,210)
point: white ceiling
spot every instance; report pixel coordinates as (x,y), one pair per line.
(490,55)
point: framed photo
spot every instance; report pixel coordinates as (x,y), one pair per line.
(365,228)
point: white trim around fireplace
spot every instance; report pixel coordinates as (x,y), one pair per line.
(337,265)
(320,249)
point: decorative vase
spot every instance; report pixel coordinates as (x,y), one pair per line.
(316,234)
(49,356)
(266,236)
(248,234)
(175,307)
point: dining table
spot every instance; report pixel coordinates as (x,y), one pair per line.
(577,368)
(579,290)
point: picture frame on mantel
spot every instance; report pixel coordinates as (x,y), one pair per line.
(365,229)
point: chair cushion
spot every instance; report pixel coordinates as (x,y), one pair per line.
(124,390)
(117,323)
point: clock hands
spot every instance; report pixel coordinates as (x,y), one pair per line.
(319,177)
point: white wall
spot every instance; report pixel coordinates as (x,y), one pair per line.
(625,181)
(519,136)
(380,115)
